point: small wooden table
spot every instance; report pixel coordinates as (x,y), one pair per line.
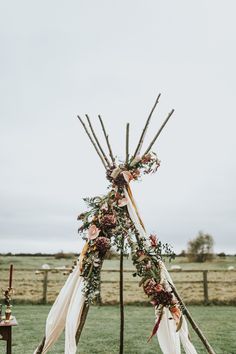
(6,333)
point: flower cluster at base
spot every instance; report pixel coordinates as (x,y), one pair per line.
(148,263)
(107,223)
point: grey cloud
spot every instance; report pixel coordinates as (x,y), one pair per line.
(60,59)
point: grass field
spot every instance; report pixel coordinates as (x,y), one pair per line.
(101,332)
(28,285)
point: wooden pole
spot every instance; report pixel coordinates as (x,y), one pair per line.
(122,319)
(97,141)
(141,140)
(159,132)
(93,142)
(45,286)
(82,322)
(205,287)
(41,345)
(127,144)
(195,327)
(107,140)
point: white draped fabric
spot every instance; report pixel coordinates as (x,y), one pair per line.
(67,310)
(65,313)
(167,336)
(169,340)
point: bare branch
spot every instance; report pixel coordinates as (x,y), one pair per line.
(92,141)
(159,132)
(107,140)
(127,144)
(141,140)
(84,314)
(97,141)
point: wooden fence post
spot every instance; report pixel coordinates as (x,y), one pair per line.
(45,286)
(205,287)
(99,297)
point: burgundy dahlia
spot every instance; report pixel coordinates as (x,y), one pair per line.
(103,244)
(149,288)
(108,220)
(153,240)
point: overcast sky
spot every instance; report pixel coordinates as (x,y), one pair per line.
(63,58)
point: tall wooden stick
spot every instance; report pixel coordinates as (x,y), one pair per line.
(141,140)
(82,322)
(97,141)
(122,317)
(127,144)
(41,345)
(92,141)
(107,140)
(195,327)
(159,132)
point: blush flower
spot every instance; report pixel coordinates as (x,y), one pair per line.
(127,176)
(122,202)
(93,232)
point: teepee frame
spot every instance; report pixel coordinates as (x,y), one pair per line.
(108,162)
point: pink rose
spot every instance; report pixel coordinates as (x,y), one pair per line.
(127,176)
(93,232)
(122,202)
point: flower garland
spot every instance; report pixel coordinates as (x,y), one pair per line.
(107,223)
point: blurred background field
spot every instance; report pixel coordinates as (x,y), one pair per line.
(29,279)
(217,322)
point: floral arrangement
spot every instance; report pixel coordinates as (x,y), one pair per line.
(107,223)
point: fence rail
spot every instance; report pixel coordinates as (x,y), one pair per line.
(205,281)
(182,278)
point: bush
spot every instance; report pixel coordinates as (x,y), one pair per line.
(62,255)
(200,249)
(221,255)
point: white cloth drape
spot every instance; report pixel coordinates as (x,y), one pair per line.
(65,312)
(169,340)
(167,336)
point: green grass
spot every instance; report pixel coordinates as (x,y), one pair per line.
(101,332)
